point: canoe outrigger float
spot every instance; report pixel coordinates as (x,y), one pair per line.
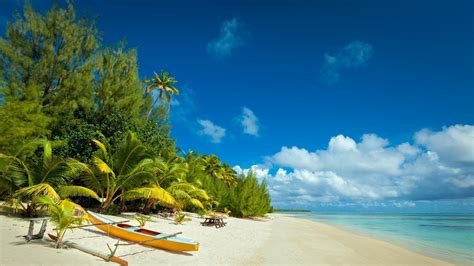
(141,235)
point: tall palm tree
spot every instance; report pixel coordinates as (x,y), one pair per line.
(47,177)
(112,174)
(164,82)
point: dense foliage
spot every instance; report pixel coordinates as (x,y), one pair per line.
(77,121)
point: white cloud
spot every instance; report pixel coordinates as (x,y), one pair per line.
(354,54)
(230,37)
(215,132)
(454,144)
(404,204)
(249,122)
(371,171)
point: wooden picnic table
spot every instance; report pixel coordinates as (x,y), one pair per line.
(214,221)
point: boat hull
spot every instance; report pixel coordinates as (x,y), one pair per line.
(130,234)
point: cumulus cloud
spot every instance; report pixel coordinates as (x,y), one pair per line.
(208,128)
(354,54)
(454,144)
(230,37)
(437,166)
(249,122)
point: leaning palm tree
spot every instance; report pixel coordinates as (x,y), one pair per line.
(111,175)
(164,82)
(64,214)
(47,177)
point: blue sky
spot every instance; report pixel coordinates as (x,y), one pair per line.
(371,97)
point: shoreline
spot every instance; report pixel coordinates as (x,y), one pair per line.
(277,240)
(340,247)
(415,245)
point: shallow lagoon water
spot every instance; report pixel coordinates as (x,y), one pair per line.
(445,236)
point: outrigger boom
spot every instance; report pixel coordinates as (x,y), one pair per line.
(139,235)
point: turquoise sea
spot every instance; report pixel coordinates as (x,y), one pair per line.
(446,236)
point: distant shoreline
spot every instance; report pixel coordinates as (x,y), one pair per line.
(277,211)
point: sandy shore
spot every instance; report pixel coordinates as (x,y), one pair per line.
(279,240)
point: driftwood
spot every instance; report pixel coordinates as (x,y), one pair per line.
(30,236)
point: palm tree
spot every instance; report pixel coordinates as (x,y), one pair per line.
(163,82)
(112,174)
(228,175)
(8,163)
(169,187)
(64,214)
(47,177)
(196,167)
(214,168)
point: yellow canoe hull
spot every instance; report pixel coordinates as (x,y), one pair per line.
(140,235)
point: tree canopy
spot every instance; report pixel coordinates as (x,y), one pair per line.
(100,131)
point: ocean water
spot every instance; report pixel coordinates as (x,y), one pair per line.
(446,236)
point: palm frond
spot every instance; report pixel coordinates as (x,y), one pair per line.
(72,191)
(197,203)
(15,170)
(47,152)
(101,165)
(42,189)
(100,145)
(156,193)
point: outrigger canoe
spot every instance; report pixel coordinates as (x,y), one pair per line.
(141,235)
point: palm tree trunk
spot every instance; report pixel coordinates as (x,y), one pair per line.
(105,205)
(60,238)
(151,109)
(148,205)
(122,204)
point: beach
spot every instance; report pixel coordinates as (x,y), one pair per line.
(278,239)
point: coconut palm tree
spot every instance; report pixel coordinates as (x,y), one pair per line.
(111,175)
(47,177)
(64,214)
(196,168)
(214,168)
(10,180)
(228,175)
(164,82)
(169,187)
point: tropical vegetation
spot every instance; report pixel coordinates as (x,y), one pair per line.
(65,214)
(81,127)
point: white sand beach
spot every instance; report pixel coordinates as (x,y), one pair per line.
(277,240)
